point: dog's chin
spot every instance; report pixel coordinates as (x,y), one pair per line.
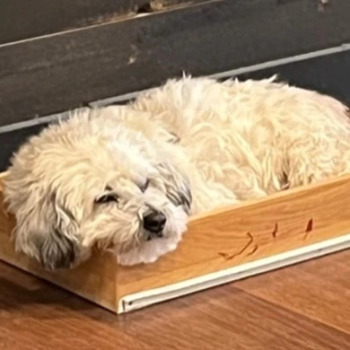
(149,251)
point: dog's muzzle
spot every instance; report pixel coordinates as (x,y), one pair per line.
(153,223)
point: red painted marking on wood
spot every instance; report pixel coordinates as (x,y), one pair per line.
(310,226)
(227,256)
(275,230)
(254,249)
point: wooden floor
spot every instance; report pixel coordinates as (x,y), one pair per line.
(301,307)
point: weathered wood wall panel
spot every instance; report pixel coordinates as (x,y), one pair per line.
(23,19)
(52,74)
(329,74)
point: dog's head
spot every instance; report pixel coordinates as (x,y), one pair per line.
(88,182)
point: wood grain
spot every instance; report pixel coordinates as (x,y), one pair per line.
(35,315)
(248,232)
(328,74)
(225,318)
(21,20)
(59,72)
(27,19)
(215,241)
(322,293)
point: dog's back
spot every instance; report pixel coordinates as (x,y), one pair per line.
(257,137)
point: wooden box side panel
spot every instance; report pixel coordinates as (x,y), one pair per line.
(214,242)
(248,232)
(94,280)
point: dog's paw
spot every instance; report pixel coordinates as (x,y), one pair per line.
(148,252)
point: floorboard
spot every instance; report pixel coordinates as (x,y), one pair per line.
(300,307)
(321,293)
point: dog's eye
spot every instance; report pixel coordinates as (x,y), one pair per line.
(144,186)
(107,198)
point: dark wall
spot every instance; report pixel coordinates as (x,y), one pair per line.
(24,19)
(65,69)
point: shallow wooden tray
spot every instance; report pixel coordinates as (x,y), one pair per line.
(219,247)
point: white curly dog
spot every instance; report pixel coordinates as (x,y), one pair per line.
(127,177)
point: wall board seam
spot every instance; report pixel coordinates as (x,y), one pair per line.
(221,75)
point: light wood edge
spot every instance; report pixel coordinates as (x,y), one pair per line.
(153,296)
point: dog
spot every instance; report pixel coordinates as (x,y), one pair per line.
(126,178)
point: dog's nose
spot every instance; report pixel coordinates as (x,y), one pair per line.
(154,222)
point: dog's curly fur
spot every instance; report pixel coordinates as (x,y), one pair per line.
(187,147)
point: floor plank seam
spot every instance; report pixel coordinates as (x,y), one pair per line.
(294,312)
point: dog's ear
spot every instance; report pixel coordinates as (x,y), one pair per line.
(177,186)
(47,231)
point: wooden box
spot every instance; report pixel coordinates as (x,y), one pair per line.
(219,247)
